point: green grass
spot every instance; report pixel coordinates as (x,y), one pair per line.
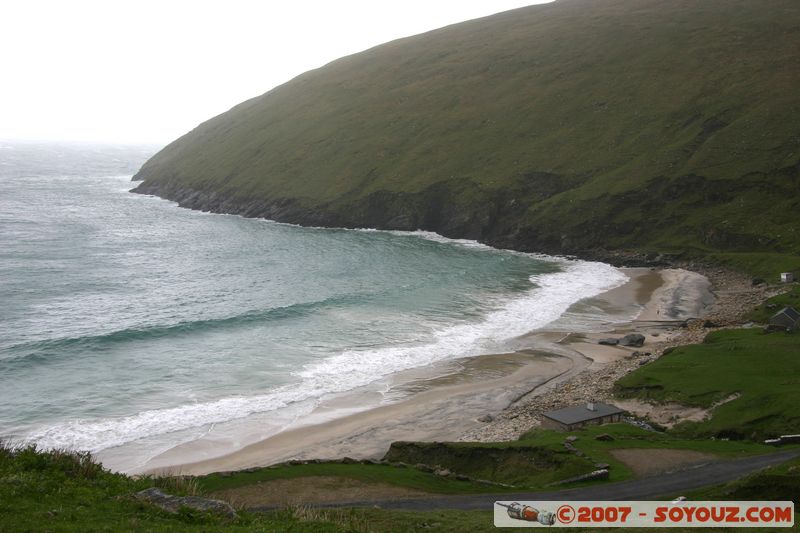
(521,464)
(762,369)
(408,477)
(535,129)
(57,491)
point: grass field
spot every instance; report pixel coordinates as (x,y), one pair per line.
(407,477)
(762,369)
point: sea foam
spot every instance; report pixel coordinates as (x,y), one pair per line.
(549,297)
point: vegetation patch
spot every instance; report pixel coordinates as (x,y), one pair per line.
(60,491)
(761,368)
(517,463)
(407,477)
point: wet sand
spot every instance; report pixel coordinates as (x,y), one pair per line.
(445,401)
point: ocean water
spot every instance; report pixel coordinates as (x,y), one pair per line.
(127,321)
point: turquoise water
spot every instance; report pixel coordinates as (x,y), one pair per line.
(125,318)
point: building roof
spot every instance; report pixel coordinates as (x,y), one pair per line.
(791,312)
(580,413)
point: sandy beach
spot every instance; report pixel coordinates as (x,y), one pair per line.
(489,397)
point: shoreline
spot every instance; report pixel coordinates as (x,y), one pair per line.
(447,401)
(733,297)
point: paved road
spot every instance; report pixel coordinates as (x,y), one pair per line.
(671,485)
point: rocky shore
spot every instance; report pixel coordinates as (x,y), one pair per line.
(735,296)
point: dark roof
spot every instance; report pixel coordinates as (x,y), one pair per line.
(579,413)
(791,312)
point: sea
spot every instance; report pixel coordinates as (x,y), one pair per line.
(128,323)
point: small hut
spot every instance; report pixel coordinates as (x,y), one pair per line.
(787,277)
(787,319)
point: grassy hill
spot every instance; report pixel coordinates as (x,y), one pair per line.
(757,370)
(567,127)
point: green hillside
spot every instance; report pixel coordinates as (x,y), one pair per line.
(576,126)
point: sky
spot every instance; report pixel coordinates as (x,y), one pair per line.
(143,71)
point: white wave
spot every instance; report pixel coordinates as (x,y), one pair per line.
(552,295)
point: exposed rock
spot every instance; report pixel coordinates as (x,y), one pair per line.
(633,339)
(602,466)
(571,438)
(173,504)
(608,342)
(423,467)
(444,472)
(348,461)
(486,418)
(604,437)
(597,474)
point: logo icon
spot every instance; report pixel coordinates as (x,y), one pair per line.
(527,513)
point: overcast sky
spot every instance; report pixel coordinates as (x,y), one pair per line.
(151,70)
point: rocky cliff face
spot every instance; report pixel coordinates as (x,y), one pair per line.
(571,127)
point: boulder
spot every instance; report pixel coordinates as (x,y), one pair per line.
(173,504)
(571,438)
(486,418)
(634,339)
(608,342)
(604,437)
(443,472)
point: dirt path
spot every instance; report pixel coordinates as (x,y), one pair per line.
(651,461)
